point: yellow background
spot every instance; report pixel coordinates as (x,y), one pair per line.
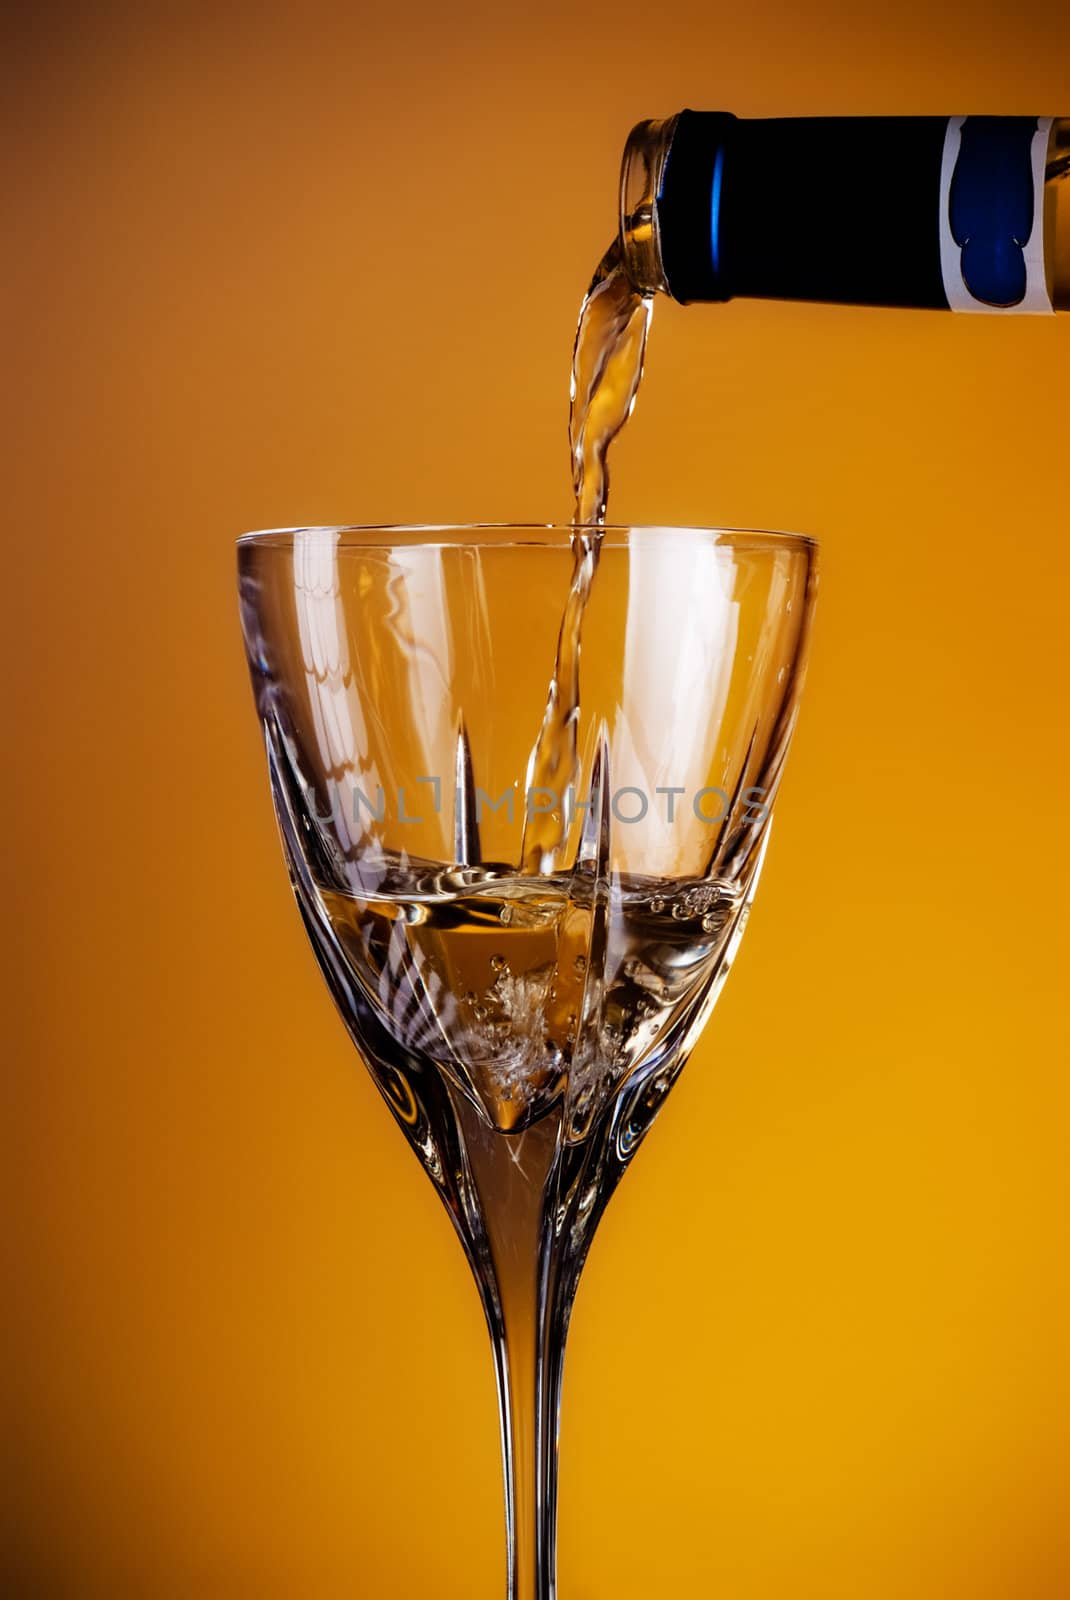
(283,263)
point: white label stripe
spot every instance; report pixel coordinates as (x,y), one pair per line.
(1036,301)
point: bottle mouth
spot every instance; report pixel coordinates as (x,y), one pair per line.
(641,172)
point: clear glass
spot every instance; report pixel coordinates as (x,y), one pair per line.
(524,1028)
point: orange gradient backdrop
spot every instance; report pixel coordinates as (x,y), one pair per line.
(278,263)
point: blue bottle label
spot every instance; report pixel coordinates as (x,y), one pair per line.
(992,214)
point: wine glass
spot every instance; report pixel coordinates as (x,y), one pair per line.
(525,1012)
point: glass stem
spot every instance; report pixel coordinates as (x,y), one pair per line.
(523,1287)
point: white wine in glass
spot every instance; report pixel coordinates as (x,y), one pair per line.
(523,1011)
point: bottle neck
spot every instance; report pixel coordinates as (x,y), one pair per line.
(961,213)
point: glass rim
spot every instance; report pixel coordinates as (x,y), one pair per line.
(541,535)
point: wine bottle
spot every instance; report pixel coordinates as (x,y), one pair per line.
(954,213)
